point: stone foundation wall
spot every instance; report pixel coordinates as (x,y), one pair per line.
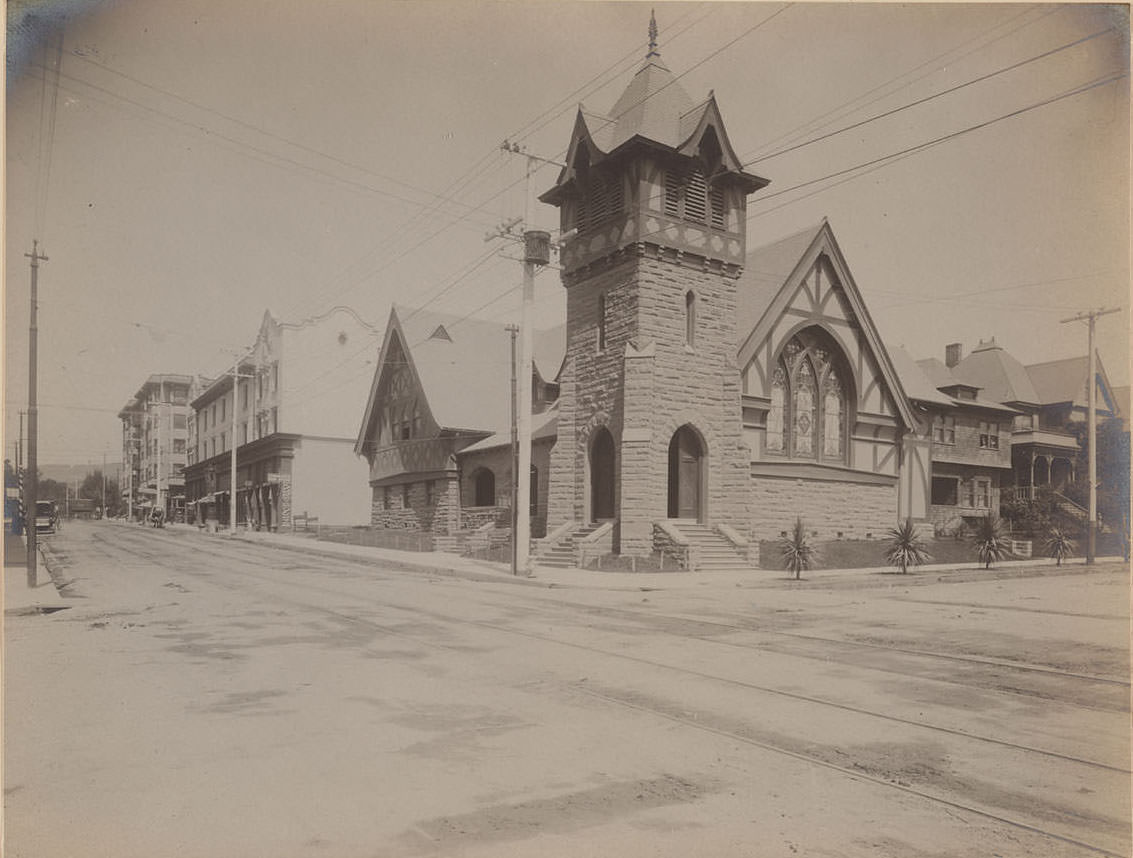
(438,513)
(835,510)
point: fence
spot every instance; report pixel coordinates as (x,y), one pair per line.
(402,540)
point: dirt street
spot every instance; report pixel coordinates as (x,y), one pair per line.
(200,696)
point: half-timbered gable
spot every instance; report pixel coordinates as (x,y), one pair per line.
(441,384)
(823,409)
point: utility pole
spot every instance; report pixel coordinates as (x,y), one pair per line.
(129,457)
(32,480)
(104,484)
(1091,316)
(536,252)
(159,500)
(20,445)
(232,462)
(513,330)
(236,376)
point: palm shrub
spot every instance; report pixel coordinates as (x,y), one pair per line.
(991,541)
(798,553)
(1058,544)
(905,548)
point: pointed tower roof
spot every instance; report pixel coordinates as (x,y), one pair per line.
(654,109)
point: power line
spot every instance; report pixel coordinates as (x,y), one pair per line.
(513,184)
(883,88)
(272,158)
(936,141)
(928,98)
(305,148)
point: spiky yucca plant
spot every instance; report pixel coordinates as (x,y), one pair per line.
(1058,544)
(798,553)
(905,548)
(991,542)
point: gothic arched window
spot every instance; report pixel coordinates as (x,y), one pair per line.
(690,319)
(807,417)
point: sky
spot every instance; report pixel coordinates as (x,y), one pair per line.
(187,164)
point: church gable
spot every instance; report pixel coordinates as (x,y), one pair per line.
(397,409)
(817,382)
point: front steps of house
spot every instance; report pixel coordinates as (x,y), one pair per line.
(709,549)
(564,554)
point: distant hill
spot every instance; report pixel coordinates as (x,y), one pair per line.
(69,473)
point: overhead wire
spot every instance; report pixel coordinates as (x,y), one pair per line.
(48,117)
(885,88)
(1112,78)
(475,173)
(928,98)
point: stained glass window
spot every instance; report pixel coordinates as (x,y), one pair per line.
(808,410)
(775,415)
(804,410)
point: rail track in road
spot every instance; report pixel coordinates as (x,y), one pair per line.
(255,566)
(259,561)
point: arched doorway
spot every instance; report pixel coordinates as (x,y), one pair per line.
(602,475)
(686,475)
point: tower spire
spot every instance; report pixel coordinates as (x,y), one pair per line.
(653,52)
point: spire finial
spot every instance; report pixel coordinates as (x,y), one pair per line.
(653,52)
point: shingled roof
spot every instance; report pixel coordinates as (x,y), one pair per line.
(766,270)
(997,373)
(653,109)
(463,365)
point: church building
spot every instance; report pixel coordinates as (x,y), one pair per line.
(707,395)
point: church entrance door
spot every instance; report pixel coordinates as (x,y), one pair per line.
(602,476)
(686,475)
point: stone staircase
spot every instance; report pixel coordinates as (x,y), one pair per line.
(562,554)
(711,551)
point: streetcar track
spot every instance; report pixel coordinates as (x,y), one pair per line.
(751,627)
(227,583)
(661,665)
(852,773)
(1019,608)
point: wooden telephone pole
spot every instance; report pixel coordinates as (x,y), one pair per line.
(31,482)
(1091,316)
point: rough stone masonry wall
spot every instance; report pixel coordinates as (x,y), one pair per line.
(439,516)
(590,386)
(853,510)
(697,385)
(666,386)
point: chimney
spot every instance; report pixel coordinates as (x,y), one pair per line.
(953,352)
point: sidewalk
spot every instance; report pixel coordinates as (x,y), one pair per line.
(18,597)
(439,563)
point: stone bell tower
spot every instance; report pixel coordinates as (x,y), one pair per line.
(652,205)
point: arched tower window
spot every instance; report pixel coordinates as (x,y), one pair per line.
(807,417)
(690,319)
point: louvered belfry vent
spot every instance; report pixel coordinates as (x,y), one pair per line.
(695,198)
(716,200)
(688,197)
(674,185)
(601,200)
